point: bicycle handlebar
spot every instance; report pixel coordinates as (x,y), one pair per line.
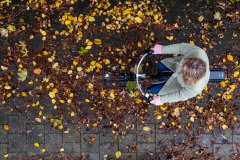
(146,96)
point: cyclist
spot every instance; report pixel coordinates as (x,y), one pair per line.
(190,73)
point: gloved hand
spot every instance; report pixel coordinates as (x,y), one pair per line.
(156,101)
(157,49)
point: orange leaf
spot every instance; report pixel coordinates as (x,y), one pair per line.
(37,71)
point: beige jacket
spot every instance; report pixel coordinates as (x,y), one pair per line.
(175,90)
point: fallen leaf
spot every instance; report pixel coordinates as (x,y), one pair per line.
(224,126)
(37,71)
(5,127)
(236,74)
(217,16)
(43,32)
(22,75)
(146,128)
(38,119)
(176,112)
(138,19)
(230,57)
(200,19)
(97,41)
(118,154)
(5,155)
(67,22)
(51,94)
(169,38)
(36,144)
(43,150)
(139,44)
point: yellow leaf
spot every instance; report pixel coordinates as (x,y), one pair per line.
(43,32)
(236,74)
(51,94)
(191,42)
(173,123)
(139,44)
(36,144)
(107,61)
(11,28)
(60,127)
(200,19)
(5,127)
(93,63)
(126,11)
(75,63)
(7,87)
(61,101)
(210,127)
(228,96)
(224,60)
(224,126)
(30,82)
(62,149)
(91,19)
(24,94)
(138,100)
(140,14)
(87,100)
(5,155)
(169,38)
(9,95)
(138,19)
(4,68)
(79,69)
(118,154)
(232,86)
(55,90)
(88,47)
(97,41)
(146,128)
(163,108)
(95,125)
(192,119)
(230,57)
(54,101)
(67,22)
(43,150)
(45,53)
(223,84)
(235,118)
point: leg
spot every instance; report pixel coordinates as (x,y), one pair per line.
(155,88)
(162,67)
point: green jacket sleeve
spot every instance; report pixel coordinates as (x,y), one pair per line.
(181,95)
(180,48)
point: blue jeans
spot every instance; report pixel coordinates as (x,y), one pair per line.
(155,88)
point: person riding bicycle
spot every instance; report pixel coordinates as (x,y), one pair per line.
(190,73)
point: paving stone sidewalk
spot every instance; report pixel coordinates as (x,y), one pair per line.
(97,144)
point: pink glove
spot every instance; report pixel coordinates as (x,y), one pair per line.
(156,100)
(157,49)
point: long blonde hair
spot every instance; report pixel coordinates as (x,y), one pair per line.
(193,69)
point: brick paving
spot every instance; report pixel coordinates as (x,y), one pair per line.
(95,144)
